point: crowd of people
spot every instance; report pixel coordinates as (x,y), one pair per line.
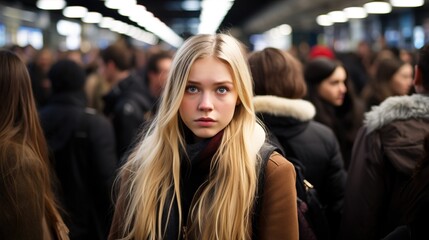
(128,143)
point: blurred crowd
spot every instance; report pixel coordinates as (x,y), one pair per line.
(93,107)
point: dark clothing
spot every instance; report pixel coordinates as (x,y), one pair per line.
(386,152)
(83,154)
(278,206)
(128,106)
(40,91)
(313,144)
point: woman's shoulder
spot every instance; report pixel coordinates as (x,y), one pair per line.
(277,162)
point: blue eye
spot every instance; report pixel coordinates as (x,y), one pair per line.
(191,89)
(222,90)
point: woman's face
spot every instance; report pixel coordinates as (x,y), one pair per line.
(333,88)
(402,80)
(210,98)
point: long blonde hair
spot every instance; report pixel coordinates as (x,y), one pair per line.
(153,170)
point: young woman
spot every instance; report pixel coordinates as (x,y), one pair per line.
(279,88)
(393,77)
(194,173)
(331,92)
(28,209)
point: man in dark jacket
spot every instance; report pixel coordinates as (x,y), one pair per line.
(82,148)
(127,104)
(386,154)
(157,68)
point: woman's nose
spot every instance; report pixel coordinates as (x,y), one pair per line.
(206,103)
(343,88)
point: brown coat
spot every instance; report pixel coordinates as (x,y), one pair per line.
(279,219)
(385,155)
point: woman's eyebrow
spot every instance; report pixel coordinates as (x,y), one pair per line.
(215,83)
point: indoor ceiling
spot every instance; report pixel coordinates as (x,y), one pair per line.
(168,11)
(244,18)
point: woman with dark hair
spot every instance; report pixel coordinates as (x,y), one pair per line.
(279,89)
(28,208)
(387,185)
(331,92)
(393,77)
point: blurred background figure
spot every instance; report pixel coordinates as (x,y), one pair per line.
(28,207)
(279,89)
(321,51)
(38,70)
(157,69)
(95,85)
(127,104)
(83,153)
(383,189)
(393,77)
(337,107)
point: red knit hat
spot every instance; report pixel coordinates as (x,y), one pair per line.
(321,51)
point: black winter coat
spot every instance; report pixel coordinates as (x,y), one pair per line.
(129,106)
(312,143)
(82,148)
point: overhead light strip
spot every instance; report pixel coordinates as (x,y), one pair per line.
(212,14)
(140,15)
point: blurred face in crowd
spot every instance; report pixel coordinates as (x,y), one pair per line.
(210,98)
(158,79)
(105,70)
(334,88)
(402,80)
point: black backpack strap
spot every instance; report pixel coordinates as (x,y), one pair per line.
(265,152)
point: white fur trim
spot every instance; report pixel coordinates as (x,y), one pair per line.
(278,106)
(397,108)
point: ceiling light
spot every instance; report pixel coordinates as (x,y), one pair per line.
(51,4)
(212,14)
(377,7)
(92,17)
(117,4)
(337,16)
(324,20)
(106,22)
(355,12)
(128,9)
(407,3)
(75,12)
(284,29)
(191,5)
(67,28)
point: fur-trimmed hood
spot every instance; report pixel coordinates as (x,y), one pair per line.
(278,106)
(397,108)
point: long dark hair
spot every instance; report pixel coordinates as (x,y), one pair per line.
(20,130)
(344,120)
(423,64)
(378,89)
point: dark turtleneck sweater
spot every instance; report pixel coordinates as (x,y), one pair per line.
(195,170)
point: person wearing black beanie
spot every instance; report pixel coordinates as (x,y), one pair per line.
(66,76)
(82,152)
